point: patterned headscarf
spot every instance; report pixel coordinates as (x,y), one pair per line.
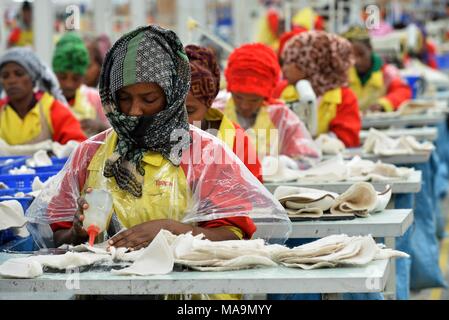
(205,74)
(146,55)
(41,75)
(324,58)
(71,55)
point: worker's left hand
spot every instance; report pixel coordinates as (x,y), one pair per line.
(140,235)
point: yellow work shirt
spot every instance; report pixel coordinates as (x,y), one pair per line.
(165,193)
(372,92)
(82,108)
(327,109)
(260,132)
(15,130)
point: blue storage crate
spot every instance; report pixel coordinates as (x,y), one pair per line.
(6,236)
(443,61)
(57,161)
(12,192)
(17,162)
(48,169)
(20,245)
(23,181)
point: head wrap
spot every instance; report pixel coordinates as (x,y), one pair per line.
(287,36)
(357,33)
(146,55)
(71,55)
(253,68)
(324,58)
(205,74)
(41,75)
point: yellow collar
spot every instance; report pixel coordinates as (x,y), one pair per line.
(376,80)
(333,96)
(150,157)
(226,132)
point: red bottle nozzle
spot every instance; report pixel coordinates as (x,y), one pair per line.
(93,232)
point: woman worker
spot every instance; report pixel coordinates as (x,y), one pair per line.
(252,74)
(70,63)
(159,170)
(378,86)
(205,85)
(324,59)
(28,116)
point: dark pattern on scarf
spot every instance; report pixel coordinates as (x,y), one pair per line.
(160,59)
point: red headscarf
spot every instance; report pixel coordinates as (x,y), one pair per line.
(253,68)
(205,74)
(287,36)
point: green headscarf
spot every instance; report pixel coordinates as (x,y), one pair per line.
(71,55)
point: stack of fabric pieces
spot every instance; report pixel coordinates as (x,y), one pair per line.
(359,200)
(334,170)
(334,251)
(200,254)
(379,143)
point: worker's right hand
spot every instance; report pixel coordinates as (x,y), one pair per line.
(79,234)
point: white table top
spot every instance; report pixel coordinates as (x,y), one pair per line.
(421,134)
(411,185)
(369,278)
(417,120)
(389,223)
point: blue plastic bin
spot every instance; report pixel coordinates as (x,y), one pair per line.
(24,180)
(443,61)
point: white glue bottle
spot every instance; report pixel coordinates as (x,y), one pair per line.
(97,216)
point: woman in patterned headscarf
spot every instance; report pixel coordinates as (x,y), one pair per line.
(203,90)
(152,161)
(324,59)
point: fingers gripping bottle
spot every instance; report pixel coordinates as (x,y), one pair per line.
(97,216)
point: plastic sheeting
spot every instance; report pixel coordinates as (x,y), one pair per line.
(211,184)
(424,246)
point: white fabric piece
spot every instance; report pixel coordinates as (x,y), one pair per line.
(157,258)
(24,149)
(334,251)
(330,145)
(22,170)
(379,143)
(330,170)
(64,151)
(383,198)
(21,268)
(39,159)
(12,216)
(279,169)
(359,199)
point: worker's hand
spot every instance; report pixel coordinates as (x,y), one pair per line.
(79,234)
(93,126)
(140,235)
(376,108)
